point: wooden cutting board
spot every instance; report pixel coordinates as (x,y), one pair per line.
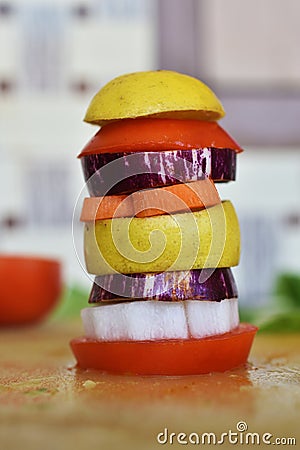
(46,403)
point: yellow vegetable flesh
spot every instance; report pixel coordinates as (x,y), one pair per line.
(163,94)
(208,238)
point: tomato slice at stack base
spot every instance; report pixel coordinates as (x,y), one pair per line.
(141,135)
(167,357)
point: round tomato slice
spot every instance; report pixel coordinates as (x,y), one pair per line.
(158,135)
(167,357)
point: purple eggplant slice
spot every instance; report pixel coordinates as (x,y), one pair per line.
(123,173)
(202,284)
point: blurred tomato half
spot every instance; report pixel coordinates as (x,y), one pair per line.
(29,288)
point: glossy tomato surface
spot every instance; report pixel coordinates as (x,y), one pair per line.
(142,135)
(167,357)
(29,288)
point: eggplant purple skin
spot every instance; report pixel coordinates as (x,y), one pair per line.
(219,284)
(146,169)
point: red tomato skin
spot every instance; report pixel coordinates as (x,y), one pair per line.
(142,135)
(167,357)
(29,289)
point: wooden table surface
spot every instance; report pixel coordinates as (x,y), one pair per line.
(46,403)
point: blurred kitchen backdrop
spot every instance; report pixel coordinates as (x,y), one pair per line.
(55,54)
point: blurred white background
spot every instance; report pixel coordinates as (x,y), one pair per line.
(54,55)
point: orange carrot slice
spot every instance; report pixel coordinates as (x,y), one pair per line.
(152,202)
(99,208)
(177,198)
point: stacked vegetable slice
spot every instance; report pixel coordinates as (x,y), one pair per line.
(157,236)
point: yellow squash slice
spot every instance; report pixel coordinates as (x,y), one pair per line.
(208,238)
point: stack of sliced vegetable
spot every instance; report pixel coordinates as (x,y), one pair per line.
(158,239)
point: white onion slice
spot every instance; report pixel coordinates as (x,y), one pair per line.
(138,320)
(154,320)
(210,318)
